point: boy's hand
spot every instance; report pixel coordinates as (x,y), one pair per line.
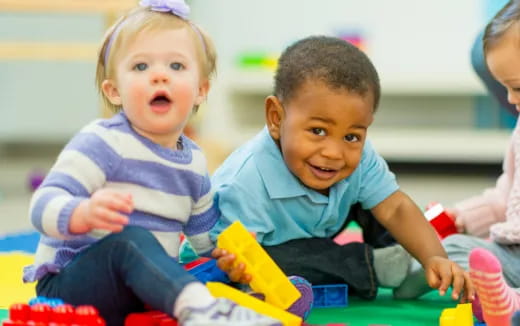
(225,262)
(442,272)
(103,210)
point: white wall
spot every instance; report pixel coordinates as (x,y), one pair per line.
(416,45)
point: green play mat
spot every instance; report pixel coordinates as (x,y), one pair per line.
(384,310)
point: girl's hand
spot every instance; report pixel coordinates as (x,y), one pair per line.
(442,272)
(453,213)
(104,210)
(226,262)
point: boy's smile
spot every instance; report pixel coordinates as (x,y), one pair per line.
(321,132)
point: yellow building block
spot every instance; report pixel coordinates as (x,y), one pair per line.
(221,290)
(12,289)
(268,278)
(462,315)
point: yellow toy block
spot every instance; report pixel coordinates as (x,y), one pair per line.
(268,278)
(221,290)
(462,315)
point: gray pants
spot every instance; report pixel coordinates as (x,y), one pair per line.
(458,247)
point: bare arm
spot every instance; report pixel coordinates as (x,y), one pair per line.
(405,221)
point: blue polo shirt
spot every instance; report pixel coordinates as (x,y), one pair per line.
(255,186)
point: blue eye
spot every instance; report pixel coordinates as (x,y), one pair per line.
(141,66)
(350,138)
(318,131)
(176,66)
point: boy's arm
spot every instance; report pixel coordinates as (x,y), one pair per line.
(405,221)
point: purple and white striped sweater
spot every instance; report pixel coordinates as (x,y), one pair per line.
(171,191)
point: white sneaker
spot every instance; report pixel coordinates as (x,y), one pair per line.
(224,312)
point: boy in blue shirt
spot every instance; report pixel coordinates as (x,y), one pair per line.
(311,171)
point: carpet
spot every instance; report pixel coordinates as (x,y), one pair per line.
(16,252)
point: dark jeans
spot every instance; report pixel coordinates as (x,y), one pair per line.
(322,261)
(118,275)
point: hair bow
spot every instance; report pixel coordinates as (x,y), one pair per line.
(177,7)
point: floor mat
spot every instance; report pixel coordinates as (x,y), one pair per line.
(386,311)
(12,289)
(15,253)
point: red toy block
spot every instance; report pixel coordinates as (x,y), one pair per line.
(195,263)
(440,220)
(44,315)
(149,318)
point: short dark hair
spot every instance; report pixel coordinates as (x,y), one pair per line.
(334,61)
(507,17)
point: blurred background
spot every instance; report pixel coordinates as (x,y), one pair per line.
(440,131)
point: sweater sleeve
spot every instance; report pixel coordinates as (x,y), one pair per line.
(479,213)
(204,216)
(79,170)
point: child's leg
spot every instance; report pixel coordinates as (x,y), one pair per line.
(118,274)
(497,299)
(374,234)
(457,246)
(322,261)
(391,261)
(121,272)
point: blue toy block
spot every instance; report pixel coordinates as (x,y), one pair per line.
(51,302)
(330,296)
(209,272)
(480,324)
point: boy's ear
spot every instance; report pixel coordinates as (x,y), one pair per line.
(110,91)
(274,114)
(203,92)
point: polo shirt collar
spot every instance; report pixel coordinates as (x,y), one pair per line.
(278,179)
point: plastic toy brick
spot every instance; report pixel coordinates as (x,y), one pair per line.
(268,278)
(225,291)
(150,318)
(461,315)
(484,324)
(44,315)
(440,220)
(53,302)
(330,296)
(209,272)
(196,262)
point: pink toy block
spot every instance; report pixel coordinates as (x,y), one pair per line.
(440,220)
(44,315)
(149,318)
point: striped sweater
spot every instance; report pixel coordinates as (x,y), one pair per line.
(171,191)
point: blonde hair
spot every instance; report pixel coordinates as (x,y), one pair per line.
(144,19)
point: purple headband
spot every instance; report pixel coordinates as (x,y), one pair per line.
(176,7)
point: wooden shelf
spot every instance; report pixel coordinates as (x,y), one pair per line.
(48,51)
(67,6)
(258,81)
(441,145)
